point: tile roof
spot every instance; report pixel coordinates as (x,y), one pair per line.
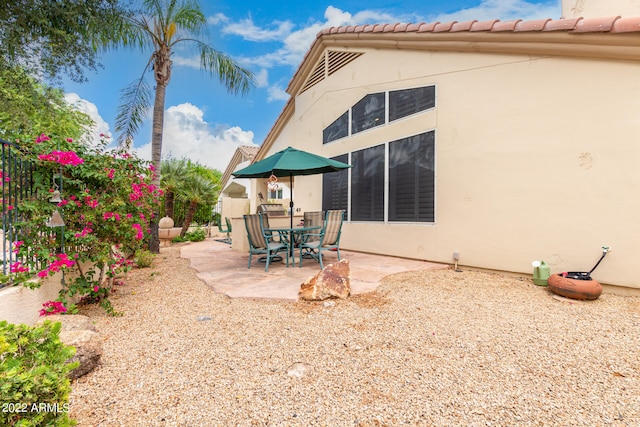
(611,24)
(249,151)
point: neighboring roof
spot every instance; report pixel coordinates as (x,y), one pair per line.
(242,154)
(612,37)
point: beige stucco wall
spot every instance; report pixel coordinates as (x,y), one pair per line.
(596,8)
(19,304)
(536,158)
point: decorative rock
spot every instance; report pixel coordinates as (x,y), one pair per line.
(88,350)
(78,330)
(298,370)
(71,322)
(333,281)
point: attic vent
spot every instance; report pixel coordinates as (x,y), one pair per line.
(331,61)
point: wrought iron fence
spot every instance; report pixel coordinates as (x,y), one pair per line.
(17,176)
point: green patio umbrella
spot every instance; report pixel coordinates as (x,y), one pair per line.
(290,162)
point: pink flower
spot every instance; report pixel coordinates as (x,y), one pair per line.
(69,140)
(138,228)
(52,307)
(17,267)
(10,207)
(96,288)
(62,157)
(42,138)
(111,173)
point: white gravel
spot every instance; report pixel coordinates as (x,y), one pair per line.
(430,348)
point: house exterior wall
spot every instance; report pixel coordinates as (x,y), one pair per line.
(536,158)
(596,8)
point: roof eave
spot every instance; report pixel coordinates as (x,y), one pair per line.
(622,46)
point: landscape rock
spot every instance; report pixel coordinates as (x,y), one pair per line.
(298,370)
(333,281)
(88,350)
(79,331)
(71,322)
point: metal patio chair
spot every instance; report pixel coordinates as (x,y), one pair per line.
(261,243)
(328,238)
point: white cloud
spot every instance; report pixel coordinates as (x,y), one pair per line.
(246,29)
(89,108)
(504,10)
(188,135)
(277,93)
(261,78)
(217,19)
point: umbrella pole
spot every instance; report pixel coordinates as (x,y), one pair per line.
(291,217)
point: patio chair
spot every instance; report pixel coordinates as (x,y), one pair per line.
(262,243)
(225,230)
(312,219)
(328,237)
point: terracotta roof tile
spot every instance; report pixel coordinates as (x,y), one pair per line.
(593,25)
(483,25)
(462,26)
(613,24)
(444,27)
(427,28)
(536,25)
(561,24)
(626,25)
(414,27)
(505,25)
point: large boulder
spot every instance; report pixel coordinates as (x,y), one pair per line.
(78,331)
(88,350)
(334,281)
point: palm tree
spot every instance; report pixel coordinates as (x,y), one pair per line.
(197,190)
(160,26)
(173,173)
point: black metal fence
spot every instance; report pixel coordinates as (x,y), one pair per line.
(17,176)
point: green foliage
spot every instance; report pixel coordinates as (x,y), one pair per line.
(143,258)
(34,383)
(29,106)
(107,204)
(67,34)
(184,182)
(197,235)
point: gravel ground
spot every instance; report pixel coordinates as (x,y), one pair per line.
(431,348)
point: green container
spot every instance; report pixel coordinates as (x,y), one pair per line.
(541,273)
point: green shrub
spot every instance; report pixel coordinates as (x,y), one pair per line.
(197,235)
(34,383)
(179,239)
(143,258)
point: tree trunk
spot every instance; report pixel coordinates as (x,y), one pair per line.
(188,217)
(169,197)
(156,157)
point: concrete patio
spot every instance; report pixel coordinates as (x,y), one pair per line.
(225,271)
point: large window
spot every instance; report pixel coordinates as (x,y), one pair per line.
(368,113)
(371,111)
(412,178)
(406,165)
(367,184)
(335,187)
(336,130)
(403,103)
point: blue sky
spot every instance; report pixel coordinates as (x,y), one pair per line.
(206,124)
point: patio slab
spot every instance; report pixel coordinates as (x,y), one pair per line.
(225,271)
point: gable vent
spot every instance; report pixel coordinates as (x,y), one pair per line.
(329,63)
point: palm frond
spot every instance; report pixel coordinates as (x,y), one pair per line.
(135,101)
(237,79)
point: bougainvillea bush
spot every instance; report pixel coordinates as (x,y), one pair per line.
(107,203)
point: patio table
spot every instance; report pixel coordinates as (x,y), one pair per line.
(293,235)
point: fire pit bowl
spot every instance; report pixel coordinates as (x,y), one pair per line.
(577,284)
(575,288)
